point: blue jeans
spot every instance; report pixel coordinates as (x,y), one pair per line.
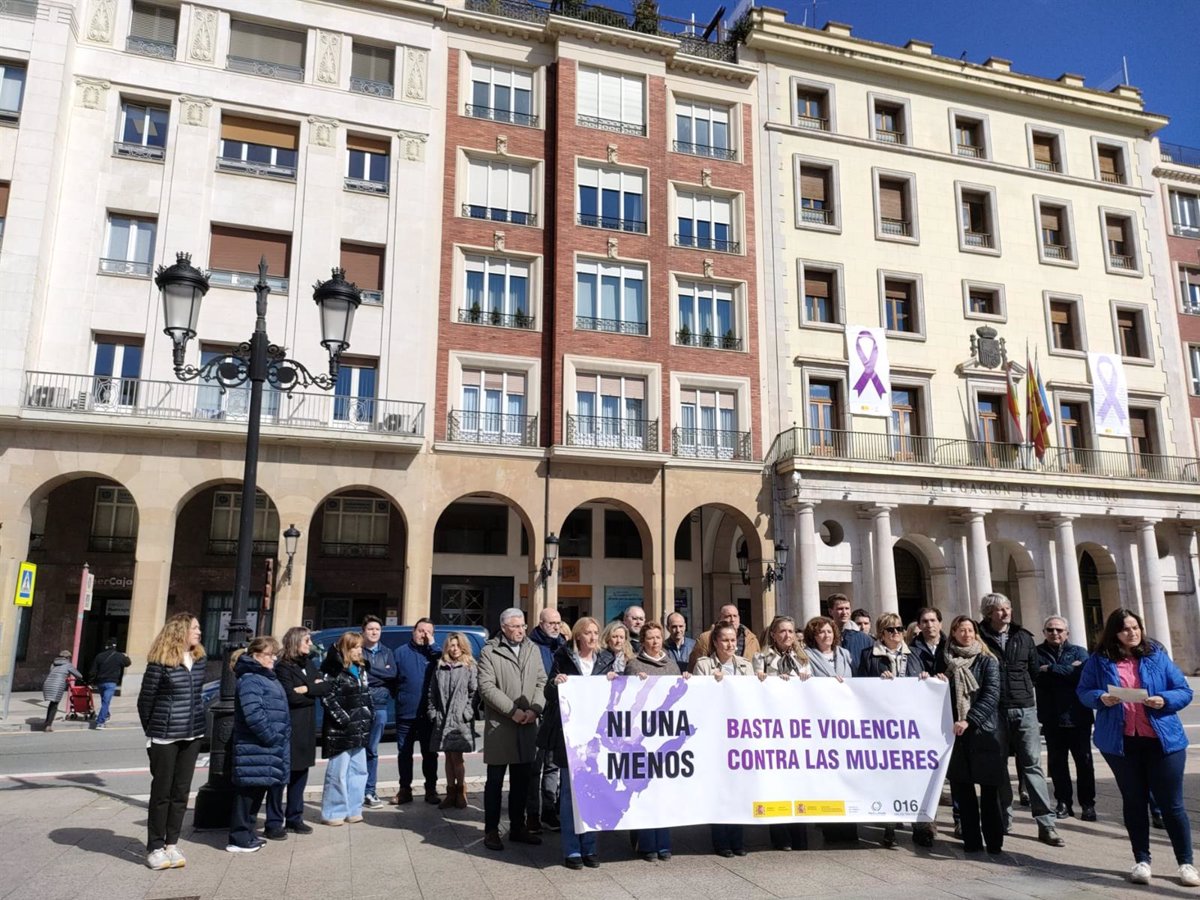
(372,749)
(1145,768)
(107,690)
(572,844)
(345,778)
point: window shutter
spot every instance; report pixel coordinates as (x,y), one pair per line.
(818,284)
(1051,218)
(610,385)
(493,381)
(896,290)
(378,146)
(516,384)
(586,384)
(257,131)
(1060,314)
(372,63)
(632,108)
(477,190)
(589,92)
(610,181)
(1190,276)
(1043,148)
(1115,229)
(239,250)
(4,188)
(250,40)
(1107,158)
(812,184)
(686,206)
(722,211)
(1137,423)
(725,400)
(522,81)
(470,377)
(587,176)
(154,23)
(520,189)
(610,96)
(363,265)
(687,397)
(498,187)
(891,199)
(635,389)
(632,184)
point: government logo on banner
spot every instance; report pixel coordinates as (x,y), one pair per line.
(1110,395)
(870,375)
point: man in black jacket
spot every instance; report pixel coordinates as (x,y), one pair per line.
(105,675)
(1066,722)
(1013,646)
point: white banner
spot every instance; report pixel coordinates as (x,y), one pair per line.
(1110,395)
(870,375)
(668,751)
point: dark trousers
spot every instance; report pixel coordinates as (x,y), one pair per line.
(1075,742)
(518,793)
(293,814)
(409,734)
(51,712)
(980,816)
(728,837)
(246,803)
(171,769)
(791,835)
(1145,768)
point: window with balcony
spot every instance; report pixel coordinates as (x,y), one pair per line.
(895,208)
(1189,284)
(354,398)
(1066,330)
(143,131)
(501,192)
(983,301)
(813,106)
(372,70)
(610,198)
(129,248)
(234,253)
(821,290)
(610,412)
(611,101)
(355,526)
(497,292)
(1046,150)
(1185,213)
(230,404)
(114,521)
(610,297)
(889,120)
(575,539)
(1056,239)
(1073,434)
(256,49)
(708,426)
(970,136)
(12,91)
(258,147)
(826,414)
(1194,367)
(702,129)
(116,371)
(493,410)
(992,429)
(707,316)
(705,222)
(368,164)
(906,430)
(1132,337)
(902,314)
(1143,434)
(1110,163)
(817,195)
(502,93)
(622,540)
(364,265)
(977,219)
(226,525)
(153,30)
(1120,244)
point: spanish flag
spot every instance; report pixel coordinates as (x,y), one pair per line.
(1014,410)
(1037,410)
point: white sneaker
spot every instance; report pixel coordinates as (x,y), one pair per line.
(237,848)
(1140,873)
(158,859)
(176,858)
(1188,876)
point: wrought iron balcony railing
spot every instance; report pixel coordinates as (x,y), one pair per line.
(969,150)
(707,243)
(245,167)
(616,125)
(138,151)
(516,217)
(507,116)
(265,68)
(468,427)
(147,47)
(895,227)
(355,550)
(125,267)
(1122,261)
(815,123)
(685,337)
(636,226)
(1047,166)
(1179,154)
(703,443)
(810,216)
(476,316)
(1056,251)
(366,186)
(704,150)
(614,326)
(229,548)
(978,239)
(611,433)
(373,88)
(889,137)
(245,281)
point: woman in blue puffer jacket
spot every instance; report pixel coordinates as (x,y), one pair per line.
(1143,742)
(262,735)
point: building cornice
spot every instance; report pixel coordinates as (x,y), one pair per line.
(1185,176)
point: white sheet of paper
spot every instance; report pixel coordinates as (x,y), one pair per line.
(1128,695)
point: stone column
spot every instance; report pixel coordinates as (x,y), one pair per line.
(885,564)
(418,575)
(1154,601)
(1069,592)
(977,555)
(805,555)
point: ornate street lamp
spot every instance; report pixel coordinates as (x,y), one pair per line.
(774,572)
(550,557)
(258,361)
(291,541)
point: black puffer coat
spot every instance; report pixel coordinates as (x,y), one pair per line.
(565,663)
(1018,665)
(978,756)
(294,673)
(169,701)
(349,712)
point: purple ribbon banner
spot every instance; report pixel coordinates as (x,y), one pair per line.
(869,362)
(1109,382)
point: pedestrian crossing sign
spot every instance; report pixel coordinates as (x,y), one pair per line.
(26,575)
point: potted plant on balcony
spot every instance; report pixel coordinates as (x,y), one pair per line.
(645,16)
(520,320)
(473,313)
(729,341)
(496,316)
(683,337)
(707,340)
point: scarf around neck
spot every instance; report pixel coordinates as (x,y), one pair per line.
(962,680)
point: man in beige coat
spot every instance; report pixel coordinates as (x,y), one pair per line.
(747,643)
(512,681)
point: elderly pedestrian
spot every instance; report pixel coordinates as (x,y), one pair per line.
(747,643)
(580,656)
(633,618)
(415,661)
(262,736)
(1016,652)
(512,683)
(346,731)
(304,684)
(1066,722)
(615,639)
(453,699)
(542,805)
(55,685)
(172,716)
(784,654)
(678,644)
(107,670)
(728,840)
(1142,740)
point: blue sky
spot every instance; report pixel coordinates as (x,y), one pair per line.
(1042,37)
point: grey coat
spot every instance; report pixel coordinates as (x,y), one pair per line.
(510,679)
(453,696)
(55,684)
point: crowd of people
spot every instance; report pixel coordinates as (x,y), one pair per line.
(1007,692)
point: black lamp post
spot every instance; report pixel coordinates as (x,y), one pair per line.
(774,572)
(291,541)
(258,361)
(550,558)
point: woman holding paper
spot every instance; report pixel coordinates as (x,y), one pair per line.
(978,757)
(1137,692)
(577,657)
